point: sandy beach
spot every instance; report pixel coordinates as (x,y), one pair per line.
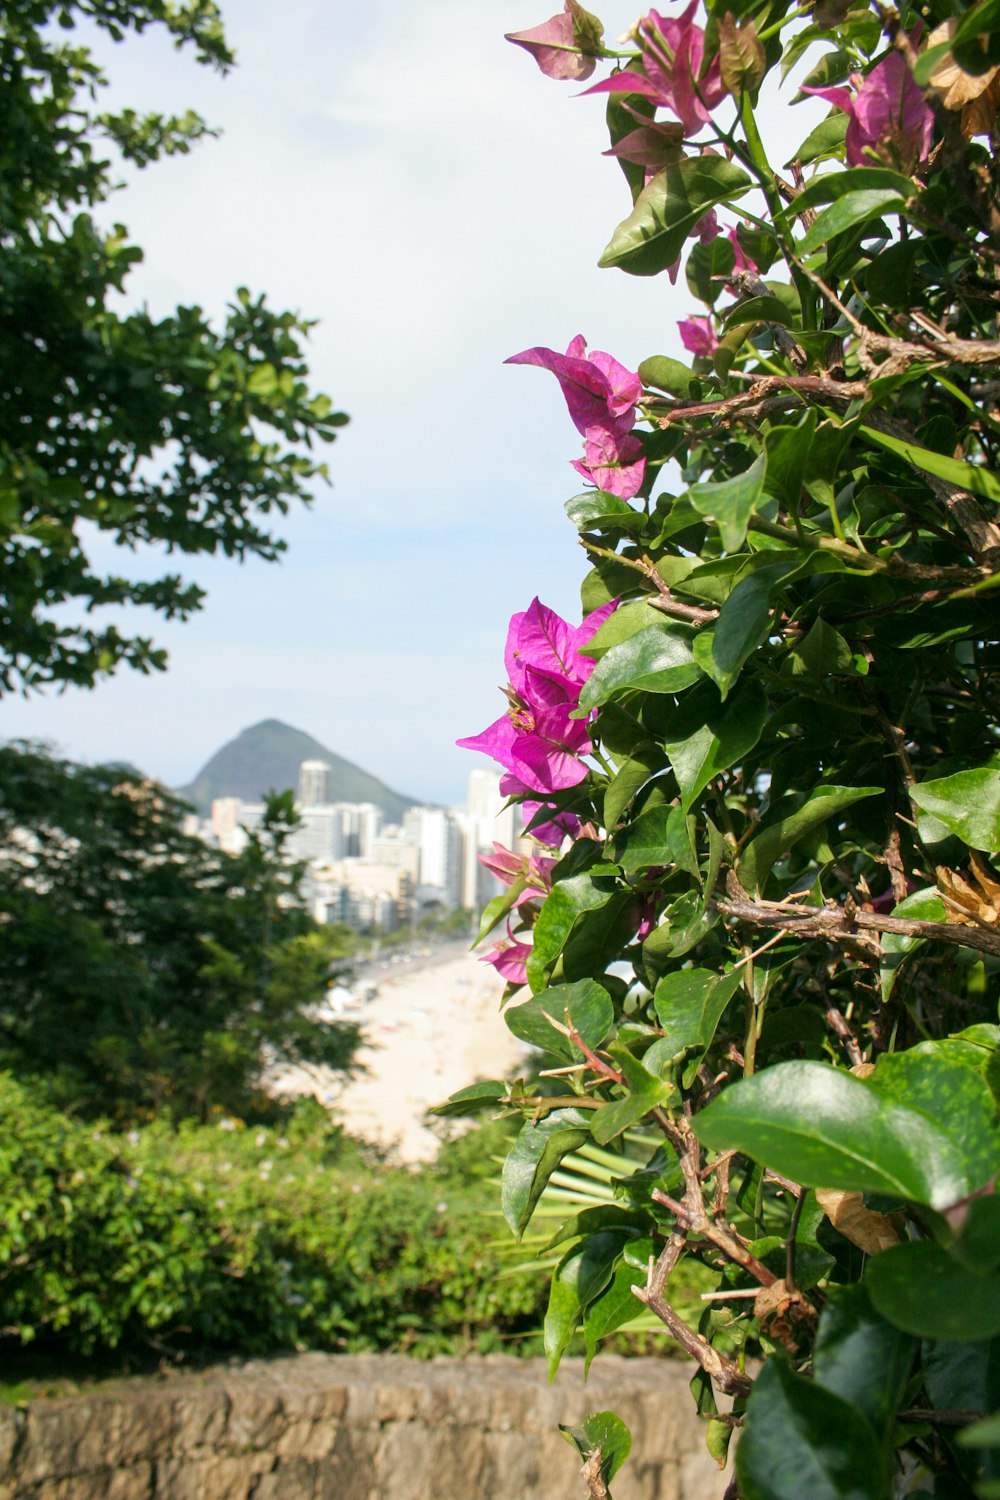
(432,1028)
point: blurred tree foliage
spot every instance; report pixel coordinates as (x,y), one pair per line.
(141,971)
(159,433)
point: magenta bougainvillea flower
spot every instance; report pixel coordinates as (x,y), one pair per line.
(672,55)
(698,336)
(551,832)
(567,45)
(601,395)
(742,261)
(534,869)
(510,958)
(538,739)
(887,115)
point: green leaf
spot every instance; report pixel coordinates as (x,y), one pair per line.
(653,235)
(657,659)
(605,1431)
(861,1356)
(533,1158)
(822,803)
(645,1091)
(731,503)
(826,140)
(742,624)
(591,1014)
(953,1096)
(927,906)
(580,1276)
(971,477)
(829,187)
(803,1441)
(660,836)
(848,211)
(474,1099)
(626,621)
(689,1005)
(645,763)
(601,1216)
(567,901)
(616,1306)
(595,509)
(824,1128)
(923,1290)
(967,803)
(668,375)
(725,737)
(823,652)
(494,911)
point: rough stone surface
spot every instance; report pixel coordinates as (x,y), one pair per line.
(344,1427)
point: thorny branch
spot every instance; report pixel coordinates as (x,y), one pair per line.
(593,1478)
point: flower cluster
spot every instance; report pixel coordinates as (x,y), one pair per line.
(888,116)
(601,395)
(538,740)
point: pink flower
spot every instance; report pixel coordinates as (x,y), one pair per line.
(616,464)
(565,46)
(598,390)
(672,54)
(601,395)
(742,261)
(560,826)
(698,336)
(534,869)
(510,958)
(888,115)
(538,739)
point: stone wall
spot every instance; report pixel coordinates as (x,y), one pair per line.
(340,1427)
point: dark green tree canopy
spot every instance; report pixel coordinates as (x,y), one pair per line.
(140,970)
(163,433)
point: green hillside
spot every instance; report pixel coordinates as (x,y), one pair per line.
(267,757)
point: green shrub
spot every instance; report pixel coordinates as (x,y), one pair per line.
(228,1238)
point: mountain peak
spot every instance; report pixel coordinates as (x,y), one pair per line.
(266,757)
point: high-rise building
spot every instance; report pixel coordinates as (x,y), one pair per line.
(486,821)
(436,833)
(314,783)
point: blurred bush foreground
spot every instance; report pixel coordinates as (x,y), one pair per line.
(118,1249)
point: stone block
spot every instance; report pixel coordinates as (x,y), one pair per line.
(220,1478)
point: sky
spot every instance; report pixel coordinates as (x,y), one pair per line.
(404,176)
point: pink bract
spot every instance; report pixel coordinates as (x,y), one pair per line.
(887,115)
(565,46)
(672,55)
(698,336)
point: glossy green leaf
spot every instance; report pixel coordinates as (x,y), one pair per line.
(849,211)
(585,1005)
(689,1006)
(830,187)
(661,836)
(473,1100)
(668,375)
(826,140)
(595,509)
(605,1431)
(626,621)
(645,1092)
(720,743)
(925,905)
(494,911)
(567,901)
(533,1158)
(667,209)
(862,1357)
(645,762)
(580,1276)
(731,503)
(953,1096)
(972,477)
(925,1291)
(823,1128)
(967,803)
(778,837)
(803,1441)
(616,1306)
(657,659)
(742,624)
(629,1221)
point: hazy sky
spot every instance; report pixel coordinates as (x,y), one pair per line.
(404,176)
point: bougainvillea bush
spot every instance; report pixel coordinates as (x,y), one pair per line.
(758,921)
